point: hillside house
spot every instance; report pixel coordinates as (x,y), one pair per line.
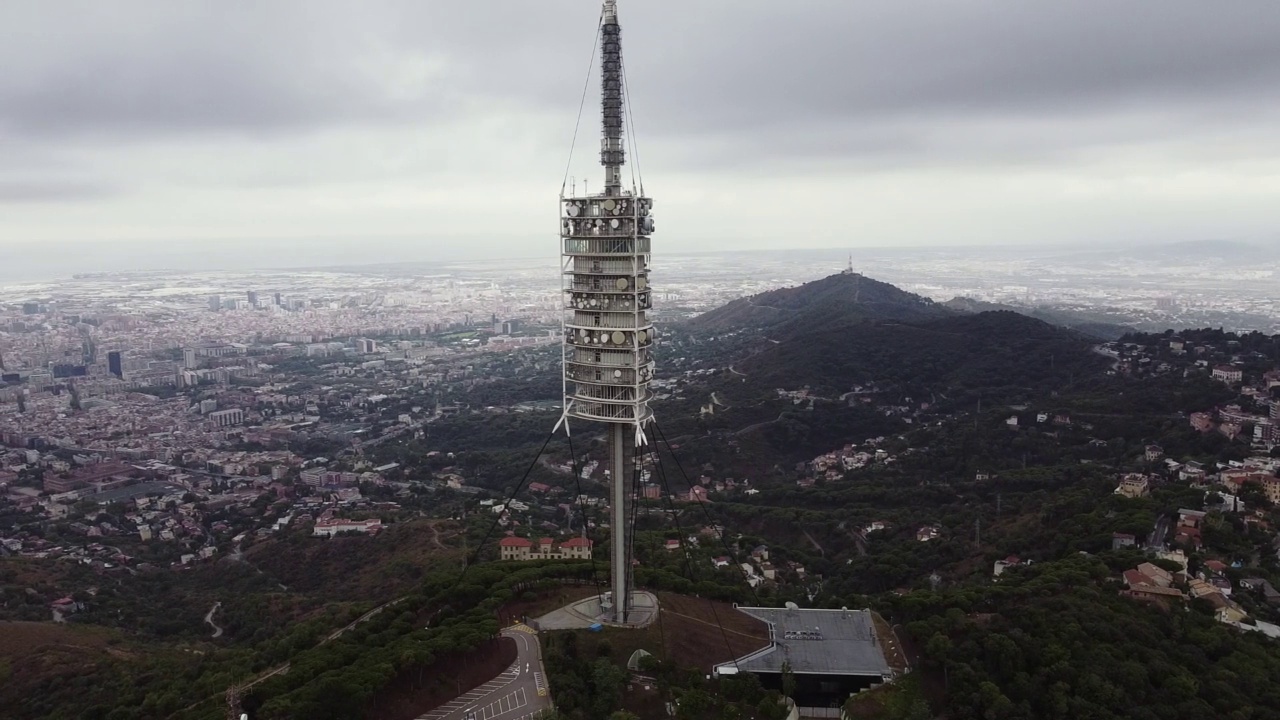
(1133,485)
(1227,374)
(1010,562)
(521,549)
(1155,575)
(1261,585)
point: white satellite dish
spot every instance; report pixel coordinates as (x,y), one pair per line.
(644,337)
(640,283)
(622,283)
(617,373)
(609,204)
(573,210)
(614,223)
(618,338)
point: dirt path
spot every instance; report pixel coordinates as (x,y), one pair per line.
(821,552)
(235,692)
(217,631)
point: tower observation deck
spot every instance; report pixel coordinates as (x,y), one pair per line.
(607,333)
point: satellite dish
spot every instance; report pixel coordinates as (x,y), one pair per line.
(622,283)
(792,606)
(640,283)
(593,303)
(644,337)
(617,373)
(573,210)
(614,223)
(618,338)
(609,204)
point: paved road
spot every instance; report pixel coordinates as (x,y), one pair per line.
(1155,541)
(517,693)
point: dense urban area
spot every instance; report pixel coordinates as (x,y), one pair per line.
(263,487)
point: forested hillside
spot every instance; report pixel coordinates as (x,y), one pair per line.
(1002,355)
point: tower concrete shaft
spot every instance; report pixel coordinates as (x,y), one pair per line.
(607,332)
(619,561)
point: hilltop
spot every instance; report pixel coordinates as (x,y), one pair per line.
(854,358)
(834,301)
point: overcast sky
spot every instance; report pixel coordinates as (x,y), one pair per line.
(442,127)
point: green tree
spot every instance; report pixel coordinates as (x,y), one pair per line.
(788,679)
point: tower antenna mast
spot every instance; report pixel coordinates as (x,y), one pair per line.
(607,333)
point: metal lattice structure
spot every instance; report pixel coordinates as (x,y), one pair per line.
(605,278)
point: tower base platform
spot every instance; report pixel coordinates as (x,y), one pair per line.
(585,613)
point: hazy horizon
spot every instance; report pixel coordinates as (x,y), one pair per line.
(246,255)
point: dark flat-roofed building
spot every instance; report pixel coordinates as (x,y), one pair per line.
(831,653)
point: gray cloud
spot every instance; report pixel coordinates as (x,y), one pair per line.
(702,68)
(415,106)
(29,191)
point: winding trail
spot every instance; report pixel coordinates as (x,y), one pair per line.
(821,552)
(217,631)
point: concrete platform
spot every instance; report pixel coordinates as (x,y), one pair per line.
(585,613)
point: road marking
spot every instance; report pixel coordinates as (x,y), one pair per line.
(507,703)
(521,627)
(538,682)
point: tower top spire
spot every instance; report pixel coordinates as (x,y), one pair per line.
(612,147)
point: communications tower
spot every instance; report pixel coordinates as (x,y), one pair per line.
(607,333)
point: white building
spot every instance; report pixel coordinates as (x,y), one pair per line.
(333,526)
(227,418)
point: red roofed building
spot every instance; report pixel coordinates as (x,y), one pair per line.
(538,487)
(518,548)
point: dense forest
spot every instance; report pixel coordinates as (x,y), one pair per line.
(1056,640)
